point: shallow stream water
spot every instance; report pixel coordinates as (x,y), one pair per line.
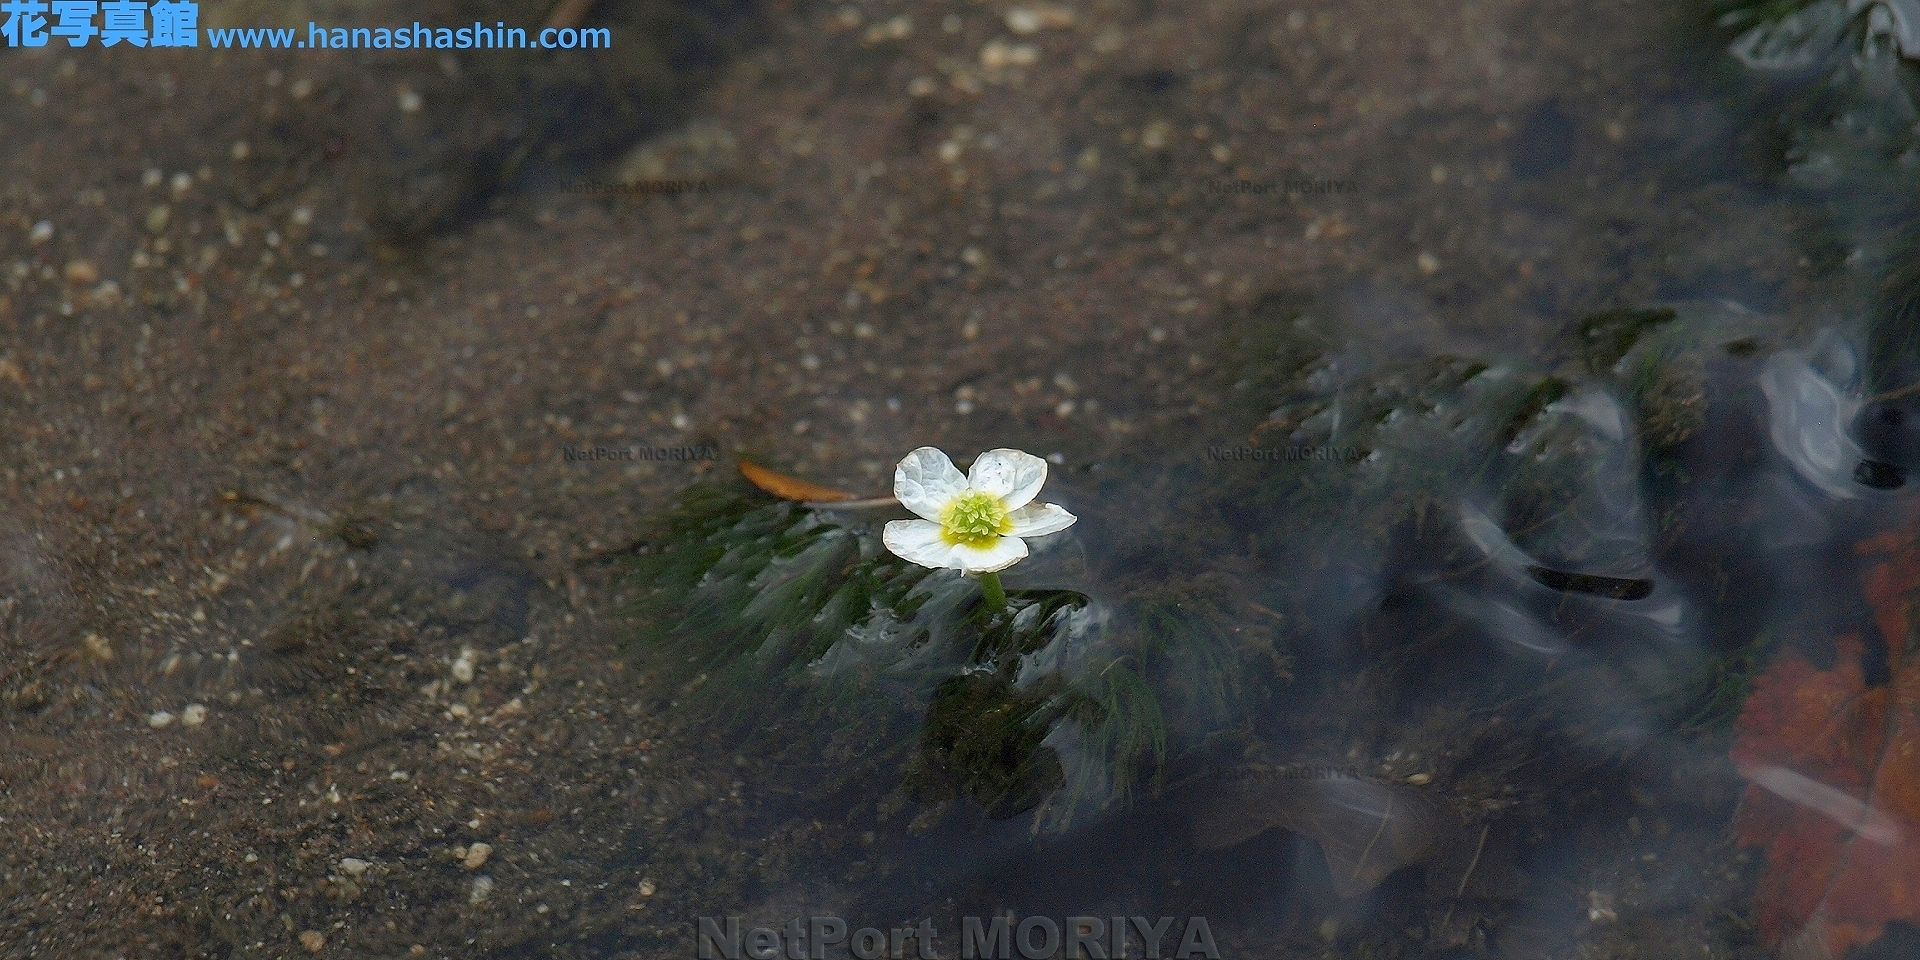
(1489,431)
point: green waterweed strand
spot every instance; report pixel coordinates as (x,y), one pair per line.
(976,519)
(996,595)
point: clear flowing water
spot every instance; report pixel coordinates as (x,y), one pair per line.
(1489,432)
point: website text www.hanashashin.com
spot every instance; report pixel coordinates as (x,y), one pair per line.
(417,37)
(176,23)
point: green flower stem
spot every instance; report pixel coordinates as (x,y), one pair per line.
(996,594)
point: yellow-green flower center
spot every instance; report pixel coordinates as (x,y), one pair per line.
(975,519)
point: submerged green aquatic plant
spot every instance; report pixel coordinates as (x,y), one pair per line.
(761,611)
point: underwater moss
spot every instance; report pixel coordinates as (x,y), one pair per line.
(1709,699)
(755,608)
(1545,393)
(1603,339)
(983,740)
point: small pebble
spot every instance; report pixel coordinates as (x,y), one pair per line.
(999,55)
(477,856)
(463,666)
(82,272)
(1428,263)
(481,889)
(182,183)
(240,150)
(354,866)
(194,715)
(1046,16)
(1600,907)
(151,178)
(313,940)
(160,719)
(41,232)
(410,101)
(898,28)
(1420,779)
(647,888)
(158,217)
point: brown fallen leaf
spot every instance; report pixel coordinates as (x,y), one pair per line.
(1833,765)
(791,488)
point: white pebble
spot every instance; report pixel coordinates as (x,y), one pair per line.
(354,866)
(481,889)
(240,150)
(410,101)
(477,856)
(194,715)
(160,719)
(41,232)
(463,666)
(1047,16)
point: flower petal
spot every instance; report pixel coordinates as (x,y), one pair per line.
(1040,519)
(1001,554)
(1012,475)
(926,480)
(919,541)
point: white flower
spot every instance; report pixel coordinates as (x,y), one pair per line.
(974,522)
